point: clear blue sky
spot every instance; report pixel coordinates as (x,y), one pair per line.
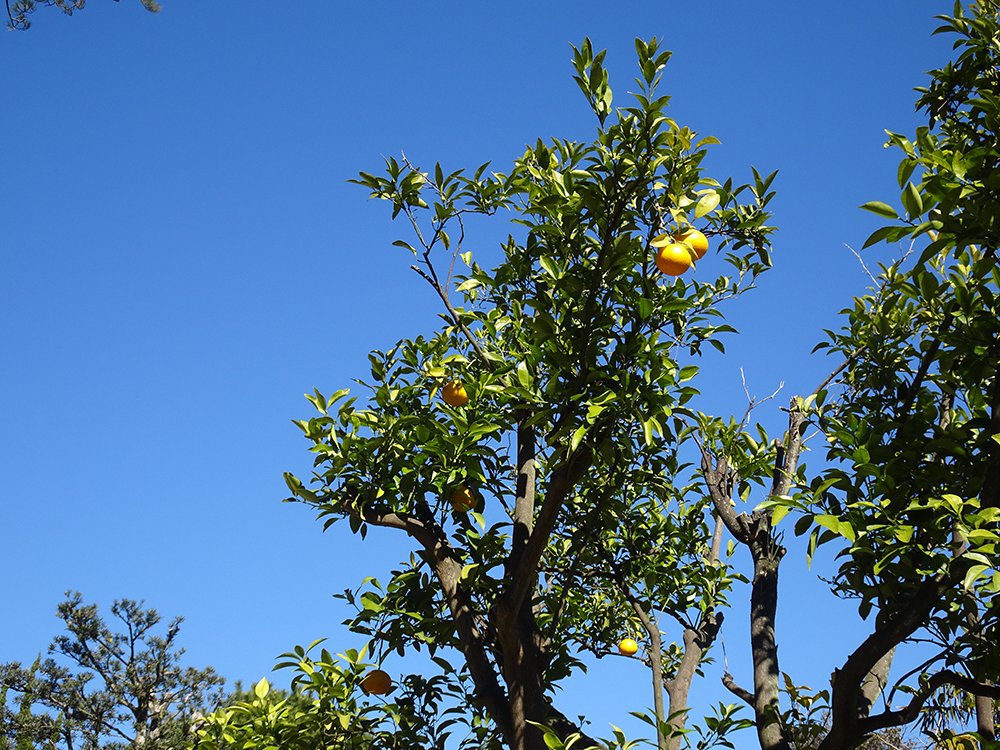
(181,259)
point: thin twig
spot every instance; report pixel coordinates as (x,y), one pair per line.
(861,261)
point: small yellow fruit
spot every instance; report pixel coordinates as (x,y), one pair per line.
(454,394)
(674,259)
(627,647)
(462,499)
(694,240)
(376,682)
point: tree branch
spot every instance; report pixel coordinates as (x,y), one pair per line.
(720,487)
(742,693)
(447,566)
(454,316)
(564,478)
(888,633)
(911,710)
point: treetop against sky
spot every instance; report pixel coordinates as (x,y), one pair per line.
(185,259)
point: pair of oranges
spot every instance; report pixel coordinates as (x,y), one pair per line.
(454,394)
(676,253)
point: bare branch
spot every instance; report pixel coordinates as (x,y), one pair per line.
(720,487)
(862,262)
(912,709)
(742,693)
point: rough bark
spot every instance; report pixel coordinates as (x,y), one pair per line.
(767,554)
(874,683)
(984,718)
(520,642)
(679,687)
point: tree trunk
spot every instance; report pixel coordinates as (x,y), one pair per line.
(875,682)
(984,718)
(680,686)
(652,629)
(695,644)
(767,554)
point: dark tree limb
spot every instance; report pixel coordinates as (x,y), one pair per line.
(742,693)
(911,710)
(447,567)
(889,633)
(564,479)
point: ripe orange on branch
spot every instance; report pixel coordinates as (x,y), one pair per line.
(377,682)
(674,259)
(462,499)
(454,394)
(627,647)
(695,240)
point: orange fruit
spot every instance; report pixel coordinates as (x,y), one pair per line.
(695,240)
(674,259)
(376,682)
(454,394)
(627,647)
(462,499)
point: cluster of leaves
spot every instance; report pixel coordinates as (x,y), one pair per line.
(917,432)
(327,708)
(575,350)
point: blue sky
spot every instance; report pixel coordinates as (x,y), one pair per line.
(181,258)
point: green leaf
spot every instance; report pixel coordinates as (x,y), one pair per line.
(880,208)
(706,204)
(261,688)
(549,266)
(973,573)
(780,511)
(912,201)
(647,431)
(523,377)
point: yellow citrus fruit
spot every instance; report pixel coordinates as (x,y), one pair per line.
(674,259)
(694,240)
(376,682)
(462,499)
(454,394)
(627,646)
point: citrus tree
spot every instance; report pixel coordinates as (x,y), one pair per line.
(537,449)
(911,416)
(532,448)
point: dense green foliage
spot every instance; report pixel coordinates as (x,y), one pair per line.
(582,363)
(603,492)
(327,708)
(579,357)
